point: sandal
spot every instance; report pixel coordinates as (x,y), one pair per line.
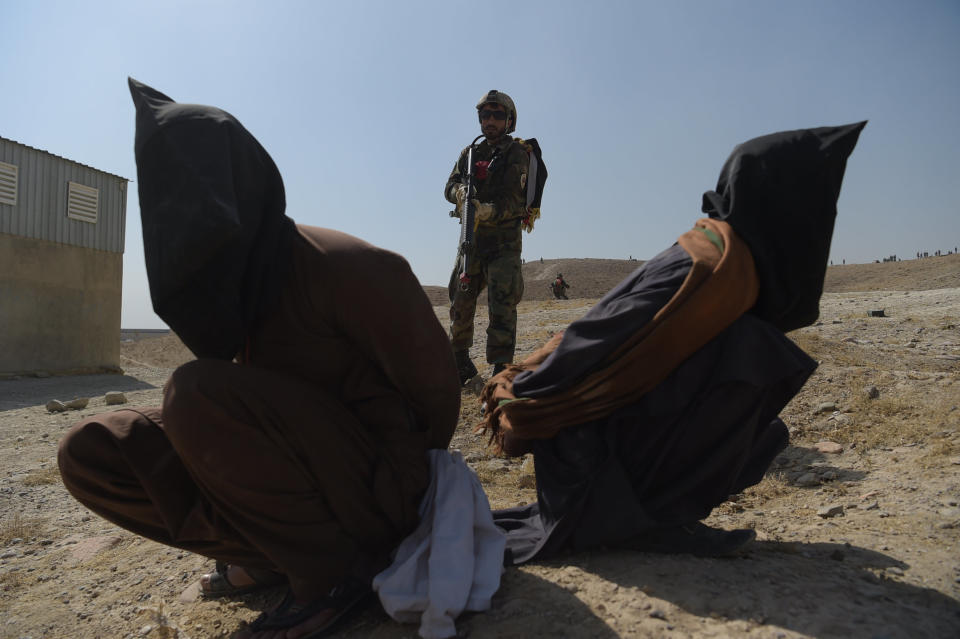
(220,586)
(343,600)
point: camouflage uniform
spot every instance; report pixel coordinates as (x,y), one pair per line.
(494,261)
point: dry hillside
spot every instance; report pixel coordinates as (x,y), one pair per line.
(592,278)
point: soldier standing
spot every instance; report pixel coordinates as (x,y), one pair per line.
(559,287)
(500,169)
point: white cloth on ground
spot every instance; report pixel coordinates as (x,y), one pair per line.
(453,560)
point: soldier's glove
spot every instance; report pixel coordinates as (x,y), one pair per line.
(460,192)
(485,210)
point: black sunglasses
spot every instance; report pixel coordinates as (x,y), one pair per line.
(496,115)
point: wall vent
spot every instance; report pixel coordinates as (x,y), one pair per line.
(82,202)
(8,183)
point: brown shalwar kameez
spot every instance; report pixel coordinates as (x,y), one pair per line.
(309,457)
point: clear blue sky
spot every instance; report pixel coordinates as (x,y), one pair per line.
(364,106)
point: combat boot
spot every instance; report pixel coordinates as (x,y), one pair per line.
(499,367)
(465,367)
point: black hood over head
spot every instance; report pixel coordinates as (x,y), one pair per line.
(779,193)
(215,236)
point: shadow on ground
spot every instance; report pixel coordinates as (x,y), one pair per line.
(818,589)
(31,391)
(525,606)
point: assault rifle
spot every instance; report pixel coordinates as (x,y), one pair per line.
(467,218)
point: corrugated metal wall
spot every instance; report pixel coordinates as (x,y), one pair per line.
(41,209)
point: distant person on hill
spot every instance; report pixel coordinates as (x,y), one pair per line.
(663,400)
(294,449)
(505,204)
(559,287)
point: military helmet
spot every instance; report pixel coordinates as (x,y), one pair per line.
(501,98)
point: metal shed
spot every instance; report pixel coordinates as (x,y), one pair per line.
(62,229)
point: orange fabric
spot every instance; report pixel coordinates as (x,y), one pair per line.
(718,289)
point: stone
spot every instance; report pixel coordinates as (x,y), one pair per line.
(87,549)
(77,403)
(840,418)
(876,313)
(872,392)
(497,465)
(115,397)
(830,511)
(808,479)
(826,407)
(56,406)
(828,448)
(192,593)
(527,467)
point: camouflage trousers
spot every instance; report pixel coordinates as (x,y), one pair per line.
(494,264)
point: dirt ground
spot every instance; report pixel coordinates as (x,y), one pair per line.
(858,521)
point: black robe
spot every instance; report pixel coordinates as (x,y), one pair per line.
(711,428)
